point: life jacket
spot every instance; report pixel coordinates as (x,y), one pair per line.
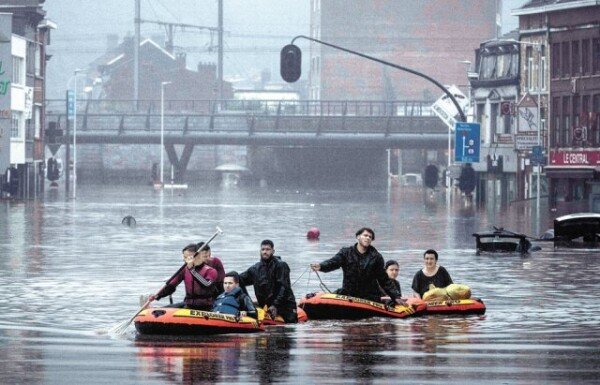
(227,303)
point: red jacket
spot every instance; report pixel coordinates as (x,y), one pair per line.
(200,286)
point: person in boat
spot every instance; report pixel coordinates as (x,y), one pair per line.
(392,268)
(363,269)
(272,287)
(431,273)
(216,264)
(233,300)
(199,279)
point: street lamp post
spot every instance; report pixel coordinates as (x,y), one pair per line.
(75,74)
(162,129)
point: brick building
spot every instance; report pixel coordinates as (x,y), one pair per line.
(431,37)
(571,29)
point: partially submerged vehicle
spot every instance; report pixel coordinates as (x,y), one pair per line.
(502,241)
(579,230)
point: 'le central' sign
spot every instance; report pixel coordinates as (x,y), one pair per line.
(574,158)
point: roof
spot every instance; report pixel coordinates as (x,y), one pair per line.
(546,6)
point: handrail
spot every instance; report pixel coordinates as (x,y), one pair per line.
(257,107)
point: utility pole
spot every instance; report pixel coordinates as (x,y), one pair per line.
(220,54)
(136,53)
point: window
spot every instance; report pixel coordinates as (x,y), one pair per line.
(503,65)
(529,63)
(18,77)
(488,67)
(556,60)
(576,110)
(37,115)
(15,127)
(585,57)
(566,126)
(576,62)
(596,55)
(543,73)
(596,120)
(555,140)
(530,74)
(566,65)
(30,58)
(38,61)
(543,68)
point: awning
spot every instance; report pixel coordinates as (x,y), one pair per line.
(585,172)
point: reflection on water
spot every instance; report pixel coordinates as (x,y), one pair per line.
(70,270)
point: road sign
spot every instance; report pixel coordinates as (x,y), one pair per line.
(445,109)
(537,155)
(466,142)
(70,104)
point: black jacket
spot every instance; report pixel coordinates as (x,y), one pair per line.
(363,273)
(271,280)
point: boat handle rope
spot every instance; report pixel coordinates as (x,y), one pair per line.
(301,275)
(321,284)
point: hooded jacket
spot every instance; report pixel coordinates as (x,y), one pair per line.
(271,280)
(363,273)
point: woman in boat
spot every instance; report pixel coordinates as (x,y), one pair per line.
(431,273)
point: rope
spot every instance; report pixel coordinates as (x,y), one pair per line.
(321,284)
(301,275)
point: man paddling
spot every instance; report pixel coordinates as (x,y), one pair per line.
(199,281)
(363,270)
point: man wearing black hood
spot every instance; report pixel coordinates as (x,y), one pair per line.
(271,280)
(363,270)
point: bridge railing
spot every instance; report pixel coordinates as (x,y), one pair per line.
(57,107)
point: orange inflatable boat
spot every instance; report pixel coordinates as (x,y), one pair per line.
(455,306)
(336,306)
(165,320)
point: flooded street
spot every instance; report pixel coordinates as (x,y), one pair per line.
(70,271)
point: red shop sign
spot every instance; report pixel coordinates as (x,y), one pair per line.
(574,158)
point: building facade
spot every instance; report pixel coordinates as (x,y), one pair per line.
(572,32)
(24,178)
(429,37)
(494,94)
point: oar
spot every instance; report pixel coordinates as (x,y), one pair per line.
(121,327)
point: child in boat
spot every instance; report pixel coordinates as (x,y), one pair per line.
(392,268)
(233,300)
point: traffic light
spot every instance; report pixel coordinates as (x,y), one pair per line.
(467,179)
(291,63)
(431,176)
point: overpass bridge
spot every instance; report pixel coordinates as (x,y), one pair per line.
(408,124)
(374,125)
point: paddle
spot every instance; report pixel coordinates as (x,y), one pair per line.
(121,327)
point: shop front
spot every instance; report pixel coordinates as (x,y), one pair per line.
(574,181)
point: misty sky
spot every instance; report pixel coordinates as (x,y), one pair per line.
(255,32)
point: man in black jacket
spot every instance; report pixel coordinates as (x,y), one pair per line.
(271,280)
(363,270)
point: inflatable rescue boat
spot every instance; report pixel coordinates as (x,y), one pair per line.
(165,320)
(336,306)
(455,306)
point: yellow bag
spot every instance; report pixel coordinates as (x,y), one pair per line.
(434,293)
(458,291)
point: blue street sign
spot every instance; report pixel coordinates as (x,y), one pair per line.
(537,155)
(466,142)
(70,104)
